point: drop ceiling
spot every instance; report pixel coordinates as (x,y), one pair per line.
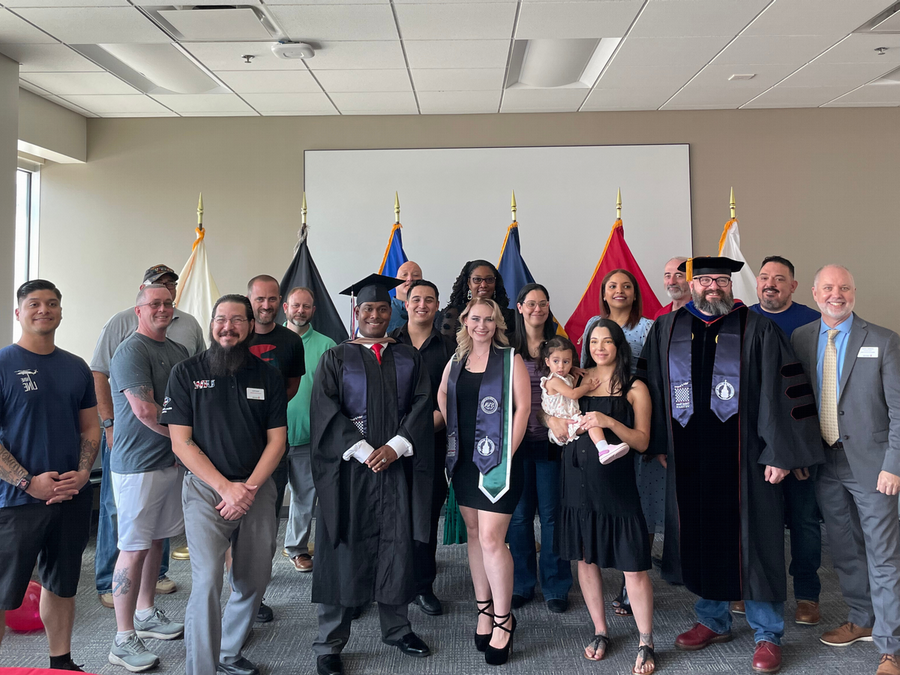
(387,57)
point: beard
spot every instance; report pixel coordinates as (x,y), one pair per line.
(226,361)
(716,307)
(675,292)
(299,322)
(772,304)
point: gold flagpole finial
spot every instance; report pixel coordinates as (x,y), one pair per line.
(513,206)
(732,203)
(396,207)
(303,211)
(200,212)
(619,205)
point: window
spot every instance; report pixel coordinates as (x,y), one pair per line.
(27,191)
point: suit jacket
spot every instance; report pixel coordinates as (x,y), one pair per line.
(869,403)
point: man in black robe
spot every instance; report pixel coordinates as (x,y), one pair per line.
(371,404)
(733,413)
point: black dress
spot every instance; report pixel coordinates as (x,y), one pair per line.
(466,474)
(600,518)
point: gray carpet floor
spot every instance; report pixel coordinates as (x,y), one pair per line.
(544,642)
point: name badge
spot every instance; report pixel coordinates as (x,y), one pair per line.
(867,353)
(256,394)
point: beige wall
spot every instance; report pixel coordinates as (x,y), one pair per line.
(813,185)
(49,131)
(9,125)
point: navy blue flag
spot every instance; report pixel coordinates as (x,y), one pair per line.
(394,255)
(512,266)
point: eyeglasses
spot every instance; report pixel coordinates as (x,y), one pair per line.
(531,304)
(721,282)
(156,304)
(236,320)
(168,284)
(482,280)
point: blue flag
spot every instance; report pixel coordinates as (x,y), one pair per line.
(512,267)
(394,255)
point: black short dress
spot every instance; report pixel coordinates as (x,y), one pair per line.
(601,520)
(466,474)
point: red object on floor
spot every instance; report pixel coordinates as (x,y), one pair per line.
(28,616)
(767,657)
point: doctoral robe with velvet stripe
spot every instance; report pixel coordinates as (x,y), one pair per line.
(367,521)
(724,522)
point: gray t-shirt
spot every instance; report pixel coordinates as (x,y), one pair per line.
(141,362)
(184,330)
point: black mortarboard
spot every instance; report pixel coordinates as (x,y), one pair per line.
(374,288)
(708,264)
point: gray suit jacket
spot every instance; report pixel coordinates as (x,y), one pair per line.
(869,403)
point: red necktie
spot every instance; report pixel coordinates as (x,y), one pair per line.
(377,349)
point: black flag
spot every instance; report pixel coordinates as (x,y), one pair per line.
(303,272)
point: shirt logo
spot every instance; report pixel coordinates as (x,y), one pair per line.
(27,383)
(204,384)
(167,405)
(259,350)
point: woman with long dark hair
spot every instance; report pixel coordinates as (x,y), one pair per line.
(540,460)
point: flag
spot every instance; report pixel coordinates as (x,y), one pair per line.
(616,255)
(743,283)
(512,266)
(394,255)
(303,272)
(197,291)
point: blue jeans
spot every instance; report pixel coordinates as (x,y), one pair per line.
(108,532)
(766,618)
(541,494)
(806,536)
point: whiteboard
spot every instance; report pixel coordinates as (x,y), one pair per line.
(455,207)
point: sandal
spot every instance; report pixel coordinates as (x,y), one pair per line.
(599,641)
(646,654)
(621,605)
(482,640)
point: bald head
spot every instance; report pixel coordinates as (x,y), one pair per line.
(676,283)
(834,291)
(409,272)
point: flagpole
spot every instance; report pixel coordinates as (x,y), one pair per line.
(513,206)
(396,208)
(303,210)
(619,205)
(200,213)
(732,204)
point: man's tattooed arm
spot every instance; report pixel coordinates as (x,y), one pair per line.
(145,408)
(89,450)
(10,469)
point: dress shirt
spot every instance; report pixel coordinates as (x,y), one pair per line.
(840,344)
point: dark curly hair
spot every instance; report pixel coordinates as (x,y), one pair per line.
(458,297)
(557,343)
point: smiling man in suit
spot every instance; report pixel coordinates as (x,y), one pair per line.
(855,366)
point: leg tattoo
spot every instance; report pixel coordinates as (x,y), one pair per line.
(121,582)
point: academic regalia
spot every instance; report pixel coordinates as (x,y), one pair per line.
(724,522)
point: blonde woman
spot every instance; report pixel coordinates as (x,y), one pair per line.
(485,396)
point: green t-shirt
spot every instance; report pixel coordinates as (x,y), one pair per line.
(314,345)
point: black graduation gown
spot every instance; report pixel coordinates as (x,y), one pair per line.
(367,521)
(724,522)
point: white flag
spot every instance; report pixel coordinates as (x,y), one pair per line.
(743,283)
(197,291)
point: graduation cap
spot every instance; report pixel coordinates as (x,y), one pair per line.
(708,264)
(374,288)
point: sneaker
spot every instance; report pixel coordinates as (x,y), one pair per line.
(846,634)
(132,655)
(106,599)
(302,562)
(165,585)
(613,452)
(158,626)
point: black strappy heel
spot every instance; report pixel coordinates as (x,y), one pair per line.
(497,657)
(483,640)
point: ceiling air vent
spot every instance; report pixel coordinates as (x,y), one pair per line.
(217,23)
(886,22)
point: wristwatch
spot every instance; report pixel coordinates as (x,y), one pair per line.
(25,482)
(106,424)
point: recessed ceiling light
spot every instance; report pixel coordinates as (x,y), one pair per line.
(550,64)
(744,76)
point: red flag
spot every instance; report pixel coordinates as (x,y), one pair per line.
(616,255)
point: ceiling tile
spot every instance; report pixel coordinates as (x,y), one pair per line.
(117,104)
(299,104)
(770,49)
(229,56)
(24,84)
(401,103)
(70,106)
(457,53)
(66,3)
(13,29)
(192,3)
(320,2)
(642,98)
(459,102)
(456,21)
(543,100)
(162,113)
(633,77)
(65,84)
(576,19)
(848,75)
(688,51)
(361,55)
(339,81)
(873,94)
(796,97)
(229,113)
(861,49)
(269,81)
(726,97)
(187,103)
(94,25)
(696,18)
(716,76)
(291,113)
(47,58)
(459,79)
(337,22)
(815,17)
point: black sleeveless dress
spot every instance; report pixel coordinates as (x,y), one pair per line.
(466,474)
(600,518)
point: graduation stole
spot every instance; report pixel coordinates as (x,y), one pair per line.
(726,377)
(493,423)
(353,376)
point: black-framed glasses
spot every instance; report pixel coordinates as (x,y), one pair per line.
(156,304)
(482,280)
(721,282)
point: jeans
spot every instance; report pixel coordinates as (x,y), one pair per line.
(766,618)
(802,513)
(541,494)
(108,532)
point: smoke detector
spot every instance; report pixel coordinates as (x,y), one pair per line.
(293,50)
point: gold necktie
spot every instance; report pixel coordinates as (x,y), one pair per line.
(828,421)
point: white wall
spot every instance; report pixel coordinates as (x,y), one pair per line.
(49,131)
(9,129)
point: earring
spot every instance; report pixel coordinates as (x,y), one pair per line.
(469,294)
(494,296)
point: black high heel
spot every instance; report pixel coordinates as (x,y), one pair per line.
(497,657)
(483,640)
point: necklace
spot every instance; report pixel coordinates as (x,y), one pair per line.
(471,359)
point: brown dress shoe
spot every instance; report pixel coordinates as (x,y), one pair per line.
(767,657)
(699,637)
(302,562)
(737,607)
(847,634)
(889,665)
(807,613)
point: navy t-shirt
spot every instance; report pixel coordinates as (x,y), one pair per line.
(41,396)
(790,319)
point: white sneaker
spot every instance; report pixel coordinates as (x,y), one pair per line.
(613,452)
(158,626)
(132,655)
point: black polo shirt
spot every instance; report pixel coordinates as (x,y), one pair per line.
(436,351)
(229,415)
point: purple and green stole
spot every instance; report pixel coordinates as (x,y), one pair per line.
(493,423)
(355,389)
